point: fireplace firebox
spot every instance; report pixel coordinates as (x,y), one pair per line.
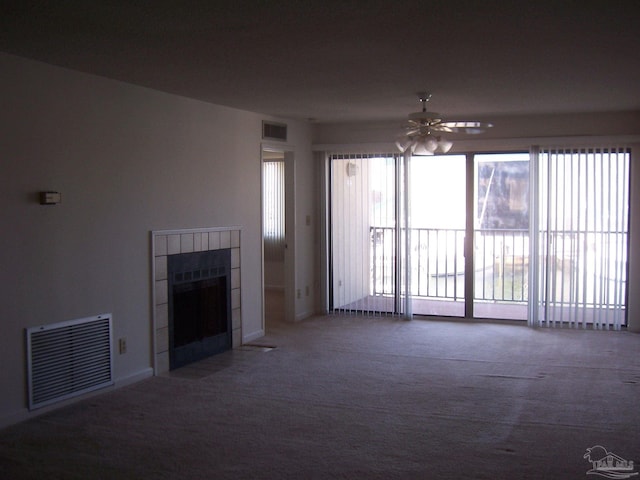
(199,287)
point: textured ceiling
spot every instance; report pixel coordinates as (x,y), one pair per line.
(335,61)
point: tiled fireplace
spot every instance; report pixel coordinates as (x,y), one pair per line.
(165,243)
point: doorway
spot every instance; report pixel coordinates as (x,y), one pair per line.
(437,194)
(277,236)
(539,236)
(431,233)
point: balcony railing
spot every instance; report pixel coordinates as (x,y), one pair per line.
(437,263)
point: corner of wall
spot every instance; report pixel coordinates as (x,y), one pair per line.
(633,282)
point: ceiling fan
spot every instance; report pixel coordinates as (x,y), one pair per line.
(421,132)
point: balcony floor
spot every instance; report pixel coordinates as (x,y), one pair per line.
(441,307)
(484,310)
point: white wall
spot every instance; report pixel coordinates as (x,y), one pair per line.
(633,312)
(306,237)
(127,160)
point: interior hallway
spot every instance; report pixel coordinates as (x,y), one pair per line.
(273,308)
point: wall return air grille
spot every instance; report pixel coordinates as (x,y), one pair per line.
(274,131)
(68,359)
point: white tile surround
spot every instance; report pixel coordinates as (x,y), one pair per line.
(173,242)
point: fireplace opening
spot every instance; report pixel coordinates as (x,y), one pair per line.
(199,305)
(200,308)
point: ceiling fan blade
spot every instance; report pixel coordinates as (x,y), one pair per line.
(411,130)
(415,124)
(462,127)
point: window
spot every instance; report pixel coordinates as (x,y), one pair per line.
(273,209)
(549,230)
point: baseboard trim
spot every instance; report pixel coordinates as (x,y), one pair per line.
(15,417)
(253,336)
(303,316)
(134,377)
(24,414)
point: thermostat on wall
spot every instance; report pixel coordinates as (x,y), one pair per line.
(50,198)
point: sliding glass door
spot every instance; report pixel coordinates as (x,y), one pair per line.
(395,235)
(501,236)
(438,218)
(397,240)
(516,236)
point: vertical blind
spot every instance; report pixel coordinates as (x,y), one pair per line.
(273,209)
(582,237)
(369,214)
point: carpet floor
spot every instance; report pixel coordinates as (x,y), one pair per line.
(351,397)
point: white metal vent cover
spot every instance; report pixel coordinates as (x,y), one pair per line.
(69,358)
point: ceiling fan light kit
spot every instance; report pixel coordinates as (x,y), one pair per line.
(419,138)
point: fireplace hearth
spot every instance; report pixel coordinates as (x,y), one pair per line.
(199,305)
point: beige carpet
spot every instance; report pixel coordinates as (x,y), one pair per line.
(352,397)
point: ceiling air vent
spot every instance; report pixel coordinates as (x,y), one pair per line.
(274,131)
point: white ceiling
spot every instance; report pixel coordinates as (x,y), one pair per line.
(341,61)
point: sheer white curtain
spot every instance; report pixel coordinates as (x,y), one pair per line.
(580,244)
(369,234)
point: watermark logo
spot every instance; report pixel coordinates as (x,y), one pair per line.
(608,464)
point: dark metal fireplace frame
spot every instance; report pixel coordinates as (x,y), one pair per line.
(208,271)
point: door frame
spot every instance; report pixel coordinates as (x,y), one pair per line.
(289,253)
